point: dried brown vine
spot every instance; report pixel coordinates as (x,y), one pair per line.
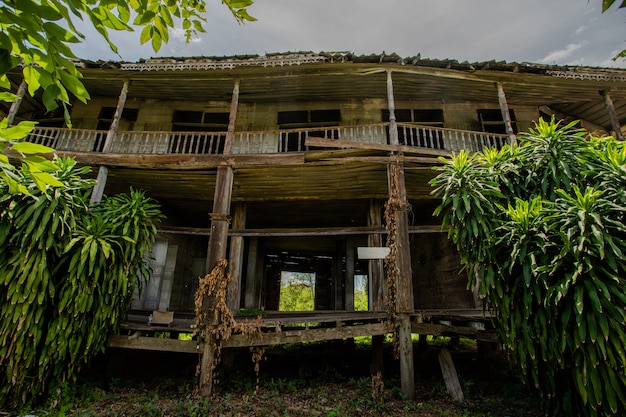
(215,322)
(393,207)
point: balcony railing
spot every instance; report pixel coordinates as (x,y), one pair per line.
(261,142)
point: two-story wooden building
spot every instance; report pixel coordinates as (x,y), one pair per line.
(283,163)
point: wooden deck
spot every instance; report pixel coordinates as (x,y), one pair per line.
(297,327)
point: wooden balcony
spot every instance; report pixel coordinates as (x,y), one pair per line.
(260,142)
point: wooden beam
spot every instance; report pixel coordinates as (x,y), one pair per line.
(320,231)
(339,143)
(610,108)
(310,335)
(435,329)
(183,162)
(154,343)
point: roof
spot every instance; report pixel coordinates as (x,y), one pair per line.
(300,58)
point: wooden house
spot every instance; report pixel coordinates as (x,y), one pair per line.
(283,163)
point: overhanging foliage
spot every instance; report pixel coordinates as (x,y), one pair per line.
(67,275)
(541,229)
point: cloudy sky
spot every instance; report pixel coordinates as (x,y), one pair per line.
(564,32)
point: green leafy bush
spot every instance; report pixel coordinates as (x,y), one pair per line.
(540,226)
(67,275)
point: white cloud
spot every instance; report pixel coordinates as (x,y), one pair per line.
(561,55)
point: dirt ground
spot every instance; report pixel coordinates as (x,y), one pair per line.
(322,379)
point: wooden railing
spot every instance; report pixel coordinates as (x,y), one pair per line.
(261,142)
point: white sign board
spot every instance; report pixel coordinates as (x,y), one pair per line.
(372,253)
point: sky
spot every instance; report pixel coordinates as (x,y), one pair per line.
(561,32)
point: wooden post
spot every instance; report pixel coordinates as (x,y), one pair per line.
(236,258)
(103,171)
(404,285)
(218,241)
(251,275)
(15,106)
(449,375)
(375,267)
(506,115)
(610,108)
(391,105)
(349,279)
(338,281)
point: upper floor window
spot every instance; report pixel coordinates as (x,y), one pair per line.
(295,119)
(194,122)
(418,136)
(491,121)
(105,119)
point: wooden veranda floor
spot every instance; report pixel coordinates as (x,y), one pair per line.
(273,328)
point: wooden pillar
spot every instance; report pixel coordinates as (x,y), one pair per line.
(375,267)
(253,277)
(218,241)
(506,115)
(15,106)
(610,108)
(349,279)
(236,258)
(103,171)
(338,282)
(391,105)
(404,285)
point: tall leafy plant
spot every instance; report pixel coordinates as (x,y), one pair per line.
(67,275)
(540,226)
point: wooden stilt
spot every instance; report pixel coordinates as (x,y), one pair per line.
(377,365)
(218,241)
(407,371)
(404,284)
(449,375)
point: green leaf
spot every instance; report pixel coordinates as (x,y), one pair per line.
(156,41)
(146,34)
(73,84)
(20,131)
(31,148)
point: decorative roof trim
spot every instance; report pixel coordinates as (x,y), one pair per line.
(591,76)
(208,63)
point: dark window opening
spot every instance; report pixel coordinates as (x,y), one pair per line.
(193,123)
(105,119)
(491,121)
(415,136)
(295,119)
